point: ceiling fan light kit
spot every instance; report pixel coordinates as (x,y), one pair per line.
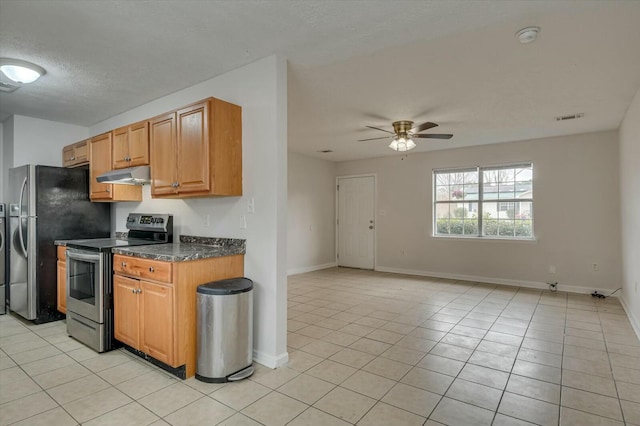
(404,132)
(402,144)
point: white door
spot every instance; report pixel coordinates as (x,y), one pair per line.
(356,227)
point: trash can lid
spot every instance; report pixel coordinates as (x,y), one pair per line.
(226,287)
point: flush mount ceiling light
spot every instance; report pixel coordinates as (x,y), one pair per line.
(20,71)
(528,35)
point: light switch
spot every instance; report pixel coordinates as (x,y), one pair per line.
(251,205)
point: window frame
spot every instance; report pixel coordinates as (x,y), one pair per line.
(481,200)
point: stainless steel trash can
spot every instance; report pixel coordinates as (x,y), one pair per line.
(225,330)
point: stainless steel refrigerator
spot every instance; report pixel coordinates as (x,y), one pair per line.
(46,204)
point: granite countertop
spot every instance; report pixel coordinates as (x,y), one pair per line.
(189,248)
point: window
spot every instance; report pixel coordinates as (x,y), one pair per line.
(495,202)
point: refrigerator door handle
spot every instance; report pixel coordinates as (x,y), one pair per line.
(21,217)
(24,186)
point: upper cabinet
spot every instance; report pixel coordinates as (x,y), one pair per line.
(100,161)
(196,151)
(131,145)
(76,154)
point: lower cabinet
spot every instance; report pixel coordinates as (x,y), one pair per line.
(144,317)
(62,279)
(155,308)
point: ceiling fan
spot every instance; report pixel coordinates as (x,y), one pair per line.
(404,132)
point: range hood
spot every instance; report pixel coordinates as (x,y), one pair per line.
(129,176)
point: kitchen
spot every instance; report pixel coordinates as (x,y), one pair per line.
(263,144)
(35,141)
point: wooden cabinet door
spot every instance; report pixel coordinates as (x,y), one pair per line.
(126,310)
(121,148)
(163,154)
(81,152)
(62,286)
(193,148)
(139,144)
(157,321)
(68,157)
(100,162)
(76,154)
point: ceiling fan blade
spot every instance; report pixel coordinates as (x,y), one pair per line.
(377,128)
(373,139)
(424,126)
(433,136)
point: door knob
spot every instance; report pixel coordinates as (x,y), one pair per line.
(124,264)
(370,226)
(150,268)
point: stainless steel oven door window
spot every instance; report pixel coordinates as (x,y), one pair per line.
(85,284)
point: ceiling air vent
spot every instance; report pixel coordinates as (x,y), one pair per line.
(570,117)
(325,151)
(8,87)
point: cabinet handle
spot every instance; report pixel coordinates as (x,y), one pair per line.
(124,265)
(108,190)
(133,290)
(150,268)
(139,291)
(72,158)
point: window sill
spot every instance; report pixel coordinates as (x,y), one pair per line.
(486,239)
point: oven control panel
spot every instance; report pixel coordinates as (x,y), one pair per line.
(149,222)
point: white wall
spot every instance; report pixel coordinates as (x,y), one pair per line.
(37,141)
(630,210)
(576,215)
(2,158)
(28,140)
(7,156)
(311,208)
(260,89)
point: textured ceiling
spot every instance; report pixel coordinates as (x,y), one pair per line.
(352,63)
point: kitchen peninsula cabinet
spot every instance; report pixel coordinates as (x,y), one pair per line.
(155,304)
(76,154)
(62,279)
(131,145)
(196,151)
(100,161)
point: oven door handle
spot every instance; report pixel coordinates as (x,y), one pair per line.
(81,256)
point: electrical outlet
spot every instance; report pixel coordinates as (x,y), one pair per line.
(552,269)
(251,205)
(207,220)
(595,267)
(243,222)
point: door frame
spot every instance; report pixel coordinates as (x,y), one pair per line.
(374,215)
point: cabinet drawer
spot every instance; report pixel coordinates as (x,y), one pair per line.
(62,252)
(143,268)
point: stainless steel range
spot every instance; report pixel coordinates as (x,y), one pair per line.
(90,274)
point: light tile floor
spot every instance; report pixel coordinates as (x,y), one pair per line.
(365,348)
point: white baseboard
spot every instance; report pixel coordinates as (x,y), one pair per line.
(306,269)
(270,360)
(635,322)
(492,280)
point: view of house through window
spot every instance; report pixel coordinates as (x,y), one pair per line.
(484,201)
